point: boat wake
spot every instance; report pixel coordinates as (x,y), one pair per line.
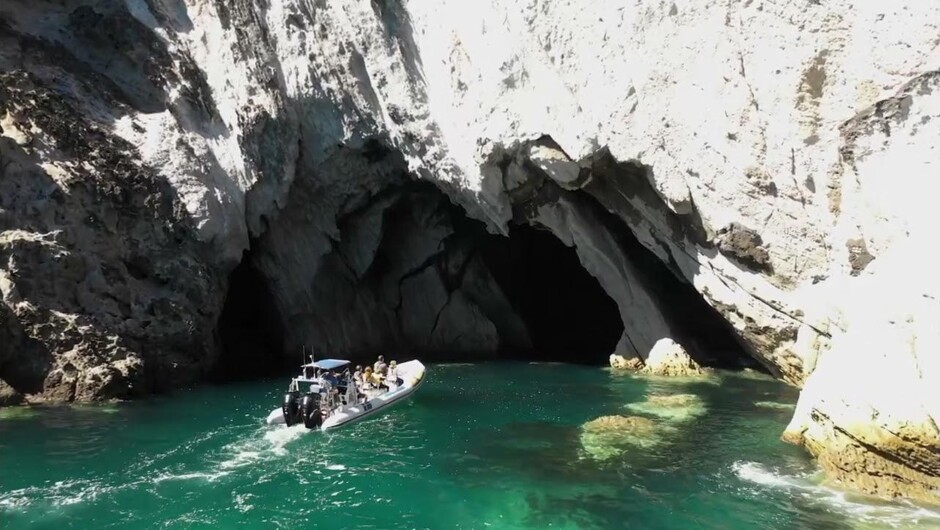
(861,509)
(260,445)
(62,493)
(264,444)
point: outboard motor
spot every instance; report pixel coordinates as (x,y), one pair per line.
(313,416)
(291,408)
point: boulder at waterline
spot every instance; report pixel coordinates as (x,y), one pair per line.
(668,358)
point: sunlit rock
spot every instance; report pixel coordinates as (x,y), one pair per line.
(672,407)
(869,411)
(669,358)
(620,362)
(9,395)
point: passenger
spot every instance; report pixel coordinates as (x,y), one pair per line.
(376,379)
(391,378)
(352,393)
(380,367)
(357,375)
(330,377)
(367,377)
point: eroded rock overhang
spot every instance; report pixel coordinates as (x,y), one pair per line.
(392,265)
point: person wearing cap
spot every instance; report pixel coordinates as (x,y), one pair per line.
(380,367)
(391,377)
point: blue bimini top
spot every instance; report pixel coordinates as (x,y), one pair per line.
(327,364)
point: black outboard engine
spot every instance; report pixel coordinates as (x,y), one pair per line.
(291,408)
(313,416)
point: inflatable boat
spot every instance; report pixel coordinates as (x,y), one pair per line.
(325,396)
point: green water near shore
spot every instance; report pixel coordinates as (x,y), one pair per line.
(479,446)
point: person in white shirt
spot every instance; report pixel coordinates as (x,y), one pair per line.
(391,378)
(380,367)
(352,392)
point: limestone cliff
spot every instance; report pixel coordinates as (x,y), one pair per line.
(774,156)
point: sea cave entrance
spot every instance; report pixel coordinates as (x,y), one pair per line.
(248,333)
(411,275)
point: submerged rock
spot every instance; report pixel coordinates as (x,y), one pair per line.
(668,358)
(19,412)
(610,436)
(674,407)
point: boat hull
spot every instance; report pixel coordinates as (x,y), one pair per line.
(412,374)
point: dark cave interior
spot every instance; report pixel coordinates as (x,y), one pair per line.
(248,333)
(566,313)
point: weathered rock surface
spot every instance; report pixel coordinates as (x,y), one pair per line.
(610,436)
(625,363)
(144,145)
(668,358)
(868,412)
(101,271)
(9,395)
(671,407)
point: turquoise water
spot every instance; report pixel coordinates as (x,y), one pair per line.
(478,446)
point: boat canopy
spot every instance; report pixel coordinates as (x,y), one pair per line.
(327,364)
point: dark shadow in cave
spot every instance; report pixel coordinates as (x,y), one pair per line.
(248,333)
(706,335)
(567,313)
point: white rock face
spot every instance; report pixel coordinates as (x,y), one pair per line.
(670,359)
(874,393)
(788,185)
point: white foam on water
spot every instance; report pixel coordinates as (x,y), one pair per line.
(241,458)
(775,405)
(898,514)
(259,446)
(264,444)
(89,493)
(756,473)
(242,503)
(281,436)
(209,477)
(11,502)
(336,467)
(61,493)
